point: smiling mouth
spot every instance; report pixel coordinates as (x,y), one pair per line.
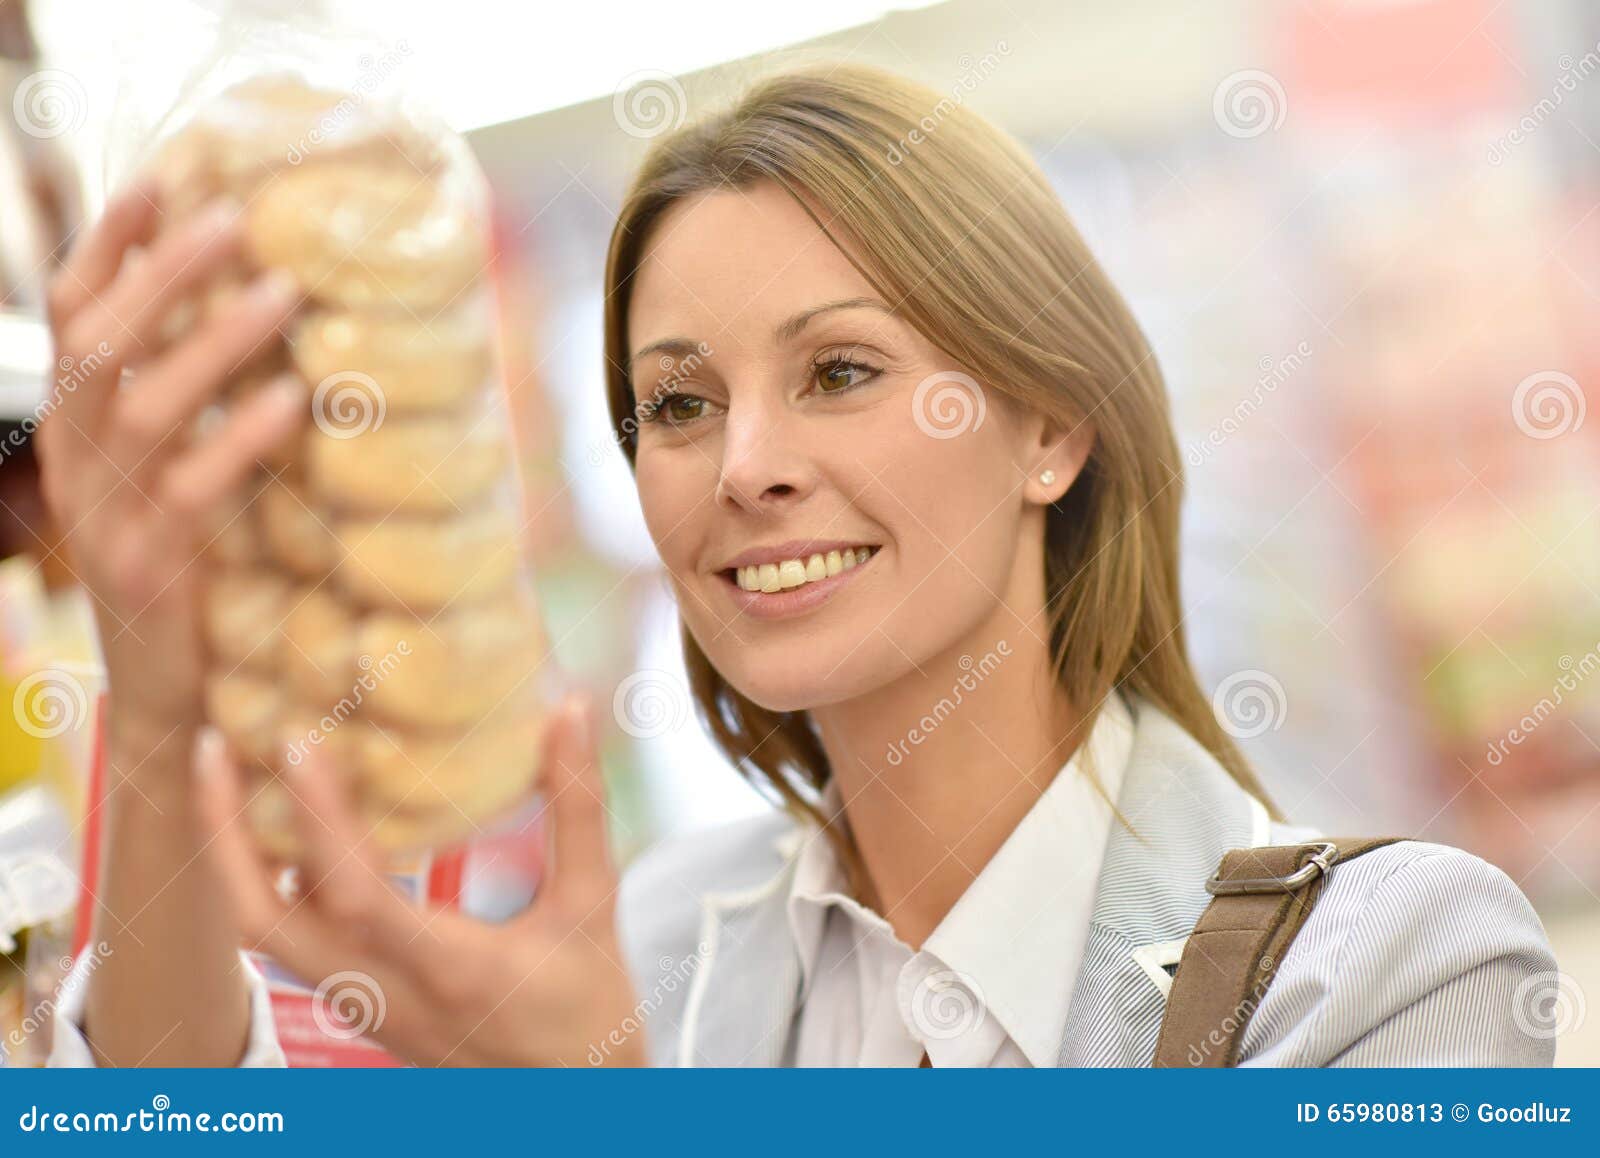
(794,574)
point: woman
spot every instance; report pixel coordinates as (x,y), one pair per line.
(908,463)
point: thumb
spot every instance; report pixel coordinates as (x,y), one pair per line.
(575,793)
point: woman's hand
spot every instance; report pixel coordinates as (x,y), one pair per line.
(547,987)
(136,498)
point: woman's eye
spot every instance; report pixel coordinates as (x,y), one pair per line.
(685,407)
(832,377)
(681,407)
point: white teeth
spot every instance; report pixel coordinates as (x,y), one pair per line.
(791,573)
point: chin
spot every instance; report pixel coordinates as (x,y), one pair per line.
(806,675)
(777,692)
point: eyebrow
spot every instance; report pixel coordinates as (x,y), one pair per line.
(677,347)
(786,331)
(792,328)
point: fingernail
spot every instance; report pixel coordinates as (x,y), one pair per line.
(285,393)
(572,707)
(220,213)
(209,747)
(275,288)
(578,711)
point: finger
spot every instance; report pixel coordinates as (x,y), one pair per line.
(350,896)
(130,219)
(201,479)
(110,331)
(347,981)
(129,310)
(177,386)
(571,780)
(291,934)
(231,849)
(342,878)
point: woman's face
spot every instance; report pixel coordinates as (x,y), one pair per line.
(782,429)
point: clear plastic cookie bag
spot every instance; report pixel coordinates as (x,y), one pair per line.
(368,596)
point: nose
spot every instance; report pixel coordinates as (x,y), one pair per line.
(764,464)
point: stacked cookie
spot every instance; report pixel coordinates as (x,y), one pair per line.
(369,599)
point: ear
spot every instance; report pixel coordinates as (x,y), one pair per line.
(1056,457)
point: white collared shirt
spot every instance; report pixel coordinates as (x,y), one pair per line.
(991,984)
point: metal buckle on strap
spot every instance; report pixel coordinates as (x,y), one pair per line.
(1319,862)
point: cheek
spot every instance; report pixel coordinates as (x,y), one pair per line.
(954,508)
(675,490)
(959,503)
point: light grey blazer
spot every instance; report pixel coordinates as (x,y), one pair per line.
(1416,954)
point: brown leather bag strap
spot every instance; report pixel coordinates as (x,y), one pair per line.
(1260,899)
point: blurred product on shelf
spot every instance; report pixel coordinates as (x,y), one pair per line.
(40,201)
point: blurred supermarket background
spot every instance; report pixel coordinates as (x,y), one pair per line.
(1363,235)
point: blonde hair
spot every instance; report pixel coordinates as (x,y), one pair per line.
(960,231)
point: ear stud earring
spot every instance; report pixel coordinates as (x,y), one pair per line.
(1047,477)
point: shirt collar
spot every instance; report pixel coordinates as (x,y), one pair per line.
(819,884)
(1019,930)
